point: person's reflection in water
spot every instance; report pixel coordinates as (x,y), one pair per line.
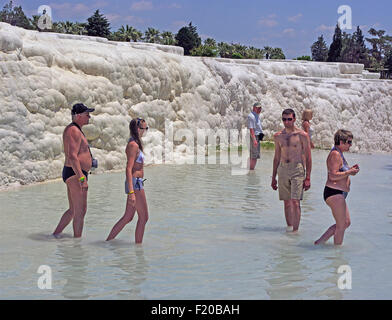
(285,275)
(132,268)
(73,260)
(251,205)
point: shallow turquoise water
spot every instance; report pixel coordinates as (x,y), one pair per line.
(211,235)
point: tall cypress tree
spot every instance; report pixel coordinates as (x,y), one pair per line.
(188,38)
(319,50)
(360,50)
(335,50)
(98,25)
(348,48)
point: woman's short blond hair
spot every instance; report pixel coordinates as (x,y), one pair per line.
(307,115)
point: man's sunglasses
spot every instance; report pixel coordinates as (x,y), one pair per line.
(350,142)
(287,119)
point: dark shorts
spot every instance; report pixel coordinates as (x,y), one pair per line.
(68,172)
(254,151)
(329,192)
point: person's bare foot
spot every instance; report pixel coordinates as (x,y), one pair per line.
(317,242)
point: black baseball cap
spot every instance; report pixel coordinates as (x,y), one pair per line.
(80,108)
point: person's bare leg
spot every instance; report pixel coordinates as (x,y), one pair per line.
(66,217)
(252,164)
(338,206)
(79,201)
(348,220)
(142,211)
(124,220)
(288,215)
(327,234)
(296,214)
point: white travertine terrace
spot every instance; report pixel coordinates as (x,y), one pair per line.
(43,74)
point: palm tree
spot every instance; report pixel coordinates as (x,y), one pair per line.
(225,50)
(79,28)
(255,53)
(151,35)
(65,27)
(127,33)
(135,34)
(210,42)
(167,38)
(123,33)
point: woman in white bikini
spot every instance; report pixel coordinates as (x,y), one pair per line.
(136,200)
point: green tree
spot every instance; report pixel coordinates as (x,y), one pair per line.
(277,53)
(335,50)
(225,50)
(208,49)
(98,25)
(319,50)
(381,44)
(188,38)
(305,58)
(361,54)
(239,51)
(210,42)
(205,51)
(126,33)
(237,55)
(348,49)
(167,38)
(151,35)
(66,27)
(254,53)
(15,16)
(34,22)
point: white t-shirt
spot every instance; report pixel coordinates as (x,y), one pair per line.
(254,122)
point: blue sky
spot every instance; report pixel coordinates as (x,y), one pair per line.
(290,25)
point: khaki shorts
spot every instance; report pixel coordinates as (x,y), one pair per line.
(291,177)
(254,151)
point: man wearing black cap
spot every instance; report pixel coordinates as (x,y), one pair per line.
(78,162)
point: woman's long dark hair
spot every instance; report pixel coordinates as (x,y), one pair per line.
(133,126)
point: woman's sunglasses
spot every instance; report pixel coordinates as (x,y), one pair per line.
(138,124)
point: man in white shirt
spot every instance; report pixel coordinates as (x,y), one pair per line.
(256,134)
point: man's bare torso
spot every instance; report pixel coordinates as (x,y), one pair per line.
(83,152)
(291,145)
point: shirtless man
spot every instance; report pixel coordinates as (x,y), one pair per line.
(292,147)
(78,162)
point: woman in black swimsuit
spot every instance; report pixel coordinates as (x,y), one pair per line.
(337,186)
